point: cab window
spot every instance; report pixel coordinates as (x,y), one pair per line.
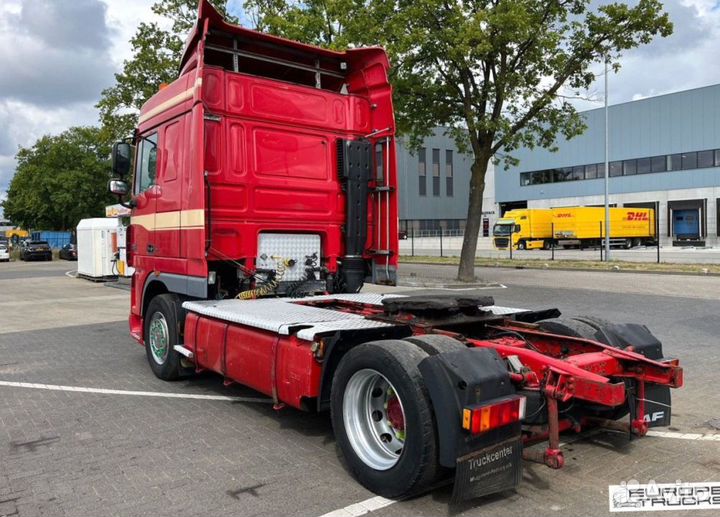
(146,165)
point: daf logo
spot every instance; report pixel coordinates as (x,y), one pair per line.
(654,417)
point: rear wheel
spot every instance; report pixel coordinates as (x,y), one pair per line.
(433,344)
(383,418)
(162,327)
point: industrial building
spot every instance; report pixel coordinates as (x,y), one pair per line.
(434,184)
(664,151)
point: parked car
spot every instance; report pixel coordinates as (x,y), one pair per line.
(4,253)
(68,252)
(35,250)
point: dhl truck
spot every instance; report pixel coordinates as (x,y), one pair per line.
(527,228)
(264,197)
(539,228)
(585,226)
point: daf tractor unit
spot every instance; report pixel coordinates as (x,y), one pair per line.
(264,196)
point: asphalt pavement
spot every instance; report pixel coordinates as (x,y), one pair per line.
(86,429)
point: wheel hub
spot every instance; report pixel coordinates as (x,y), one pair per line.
(159,338)
(395,414)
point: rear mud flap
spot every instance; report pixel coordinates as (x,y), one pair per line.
(485,463)
(488,471)
(657,406)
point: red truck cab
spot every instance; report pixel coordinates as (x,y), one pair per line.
(239,161)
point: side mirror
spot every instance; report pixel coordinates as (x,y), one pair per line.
(118,187)
(121,158)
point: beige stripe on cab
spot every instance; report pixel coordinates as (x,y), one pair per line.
(176,220)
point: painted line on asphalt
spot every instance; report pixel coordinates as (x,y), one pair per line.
(361,508)
(71,274)
(705,437)
(103,391)
(54,301)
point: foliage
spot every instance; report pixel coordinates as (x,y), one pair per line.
(156,53)
(60,180)
(493,71)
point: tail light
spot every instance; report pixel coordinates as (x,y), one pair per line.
(479,419)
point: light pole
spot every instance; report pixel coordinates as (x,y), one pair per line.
(607,169)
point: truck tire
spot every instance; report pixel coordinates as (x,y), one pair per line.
(433,344)
(521,245)
(383,418)
(162,328)
(570,327)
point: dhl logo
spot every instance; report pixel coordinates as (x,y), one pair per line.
(564,215)
(638,216)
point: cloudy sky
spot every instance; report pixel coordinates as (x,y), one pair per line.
(57,55)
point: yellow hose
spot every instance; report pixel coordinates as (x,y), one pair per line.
(269,287)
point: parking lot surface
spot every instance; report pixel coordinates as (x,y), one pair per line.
(130,444)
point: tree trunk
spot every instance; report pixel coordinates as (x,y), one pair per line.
(466,271)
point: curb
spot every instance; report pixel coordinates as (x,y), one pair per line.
(586,270)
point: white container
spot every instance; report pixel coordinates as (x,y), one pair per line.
(97,247)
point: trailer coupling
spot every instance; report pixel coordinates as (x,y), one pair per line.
(524,386)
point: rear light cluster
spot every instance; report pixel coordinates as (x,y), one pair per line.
(480,419)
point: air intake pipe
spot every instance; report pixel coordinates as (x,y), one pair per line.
(354,169)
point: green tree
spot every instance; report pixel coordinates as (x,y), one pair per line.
(156,53)
(494,71)
(60,180)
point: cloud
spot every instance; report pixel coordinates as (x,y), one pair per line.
(79,24)
(678,62)
(54,52)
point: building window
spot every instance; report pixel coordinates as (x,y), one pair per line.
(658,164)
(422,172)
(705,159)
(629,167)
(561,174)
(689,161)
(643,165)
(436,171)
(543,177)
(449,173)
(673,162)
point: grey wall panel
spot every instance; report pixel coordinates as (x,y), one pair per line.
(667,124)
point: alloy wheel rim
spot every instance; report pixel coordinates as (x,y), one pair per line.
(374,419)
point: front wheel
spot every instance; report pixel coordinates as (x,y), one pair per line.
(383,418)
(521,245)
(162,327)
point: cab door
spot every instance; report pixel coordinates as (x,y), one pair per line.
(168,200)
(142,222)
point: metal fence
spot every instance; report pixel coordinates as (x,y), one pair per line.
(448,243)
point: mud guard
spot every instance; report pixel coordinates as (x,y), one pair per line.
(486,463)
(658,400)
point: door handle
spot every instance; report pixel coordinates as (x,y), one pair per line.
(150,248)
